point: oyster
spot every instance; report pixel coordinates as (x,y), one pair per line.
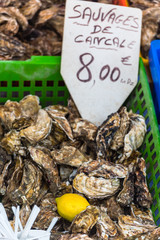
(2,177)
(47,14)
(45,162)
(30,106)
(113,208)
(30,185)
(134,138)
(118,138)
(143,215)
(85,221)
(48,201)
(143,4)
(94,187)
(142,195)
(68,155)
(84,129)
(44,218)
(11,142)
(132,228)
(58,113)
(106,132)
(11,48)
(66,171)
(73,111)
(105,226)
(126,196)
(75,237)
(24,214)
(103,169)
(39,130)
(30,8)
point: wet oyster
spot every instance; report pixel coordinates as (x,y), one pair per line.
(39,130)
(103,169)
(3,175)
(106,132)
(142,195)
(94,187)
(85,221)
(105,226)
(68,155)
(45,162)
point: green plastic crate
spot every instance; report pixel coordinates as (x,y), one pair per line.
(41,76)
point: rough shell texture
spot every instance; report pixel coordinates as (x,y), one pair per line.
(47,165)
(39,130)
(104,169)
(106,132)
(94,187)
(85,221)
(68,155)
(105,226)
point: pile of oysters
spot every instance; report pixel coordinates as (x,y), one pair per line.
(45,153)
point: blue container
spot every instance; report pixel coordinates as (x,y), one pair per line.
(154,63)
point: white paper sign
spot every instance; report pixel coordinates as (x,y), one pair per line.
(100,56)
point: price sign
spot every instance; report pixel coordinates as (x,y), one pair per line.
(100,56)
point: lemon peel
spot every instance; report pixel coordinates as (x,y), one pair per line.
(71,204)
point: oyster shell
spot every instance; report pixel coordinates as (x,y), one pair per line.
(75,237)
(106,132)
(30,185)
(132,228)
(11,48)
(105,226)
(68,155)
(94,187)
(45,162)
(118,138)
(103,169)
(39,130)
(47,14)
(142,195)
(2,178)
(143,215)
(24,213)
(134,138)
(85,221)
(58,113)
(113,208)
(44,218)
(30,8)
(126,196)
(11,142)
(73,111)
(30,106)
(83,129)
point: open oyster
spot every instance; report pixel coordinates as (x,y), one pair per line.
(85,221)
(94,187)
